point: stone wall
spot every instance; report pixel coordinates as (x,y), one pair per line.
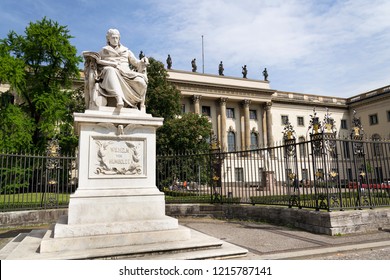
(31,217)
(330,223)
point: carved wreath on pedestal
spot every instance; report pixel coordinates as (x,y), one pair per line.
(132,161)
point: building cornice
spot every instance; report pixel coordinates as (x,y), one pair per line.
(216,80)
(212,86)
(308,99)
(369,97)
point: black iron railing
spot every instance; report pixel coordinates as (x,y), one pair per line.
(31,181)
(320,173)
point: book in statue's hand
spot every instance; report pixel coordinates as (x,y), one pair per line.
(94,55)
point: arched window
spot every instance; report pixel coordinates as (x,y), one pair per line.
(254,141)
(231,141)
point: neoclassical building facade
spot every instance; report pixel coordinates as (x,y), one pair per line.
(247,114)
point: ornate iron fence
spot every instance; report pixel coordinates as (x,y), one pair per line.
(321,173)
(31,181)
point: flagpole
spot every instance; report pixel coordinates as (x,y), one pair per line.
(202,56)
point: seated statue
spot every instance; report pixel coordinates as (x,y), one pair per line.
(110,78)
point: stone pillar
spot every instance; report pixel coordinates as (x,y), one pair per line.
(222,103)
(247,132)
(268,115)
(242,128)
(264,126)
(196,100)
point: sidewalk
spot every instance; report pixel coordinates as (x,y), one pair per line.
(265,241)
(270,242)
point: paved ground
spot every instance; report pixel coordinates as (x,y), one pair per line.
(266,241)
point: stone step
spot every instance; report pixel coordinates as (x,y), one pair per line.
(26,245)
(199,246)
(10,246)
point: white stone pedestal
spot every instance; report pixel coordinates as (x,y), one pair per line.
(117,202)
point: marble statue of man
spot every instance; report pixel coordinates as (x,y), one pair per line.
(116,78)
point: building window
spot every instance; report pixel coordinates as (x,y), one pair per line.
(300,121)
(344,124)
(288,172)
(305,175)
(261,176)
(349,174)
(183,108)
(231,141)
(253,114)
(388,116)
(347,153)
(206,111)
(254,141)
(302,147)
(284,119)
(239,174)
(373,119)
(376,146)
(230,113)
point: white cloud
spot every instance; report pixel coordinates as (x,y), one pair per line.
(329,47)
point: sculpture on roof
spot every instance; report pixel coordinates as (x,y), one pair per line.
(169,62)
(265,74)
(109,76)
(220,69)
(193,64)
(244,71)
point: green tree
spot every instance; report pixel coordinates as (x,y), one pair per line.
(188,133)
(16,129)
(162,98)
(40,66)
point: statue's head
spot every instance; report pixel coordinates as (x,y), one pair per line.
(112,33)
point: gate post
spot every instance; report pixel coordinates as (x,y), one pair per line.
(363,198)
(290,156)
(324,150)
(50,195)
(215,170)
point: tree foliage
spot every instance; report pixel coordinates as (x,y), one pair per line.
(189,133)
(40,66)
(162,98)
(16,129)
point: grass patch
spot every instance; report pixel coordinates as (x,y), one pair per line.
(9,202)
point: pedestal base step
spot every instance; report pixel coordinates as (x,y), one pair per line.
(199,246)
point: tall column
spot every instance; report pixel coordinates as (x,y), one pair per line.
(196,100)
(268,115)
(247,132)
(242,127)
(222,103)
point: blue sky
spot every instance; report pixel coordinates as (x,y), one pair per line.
(334,48)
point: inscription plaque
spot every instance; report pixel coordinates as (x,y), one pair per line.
(113,157)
